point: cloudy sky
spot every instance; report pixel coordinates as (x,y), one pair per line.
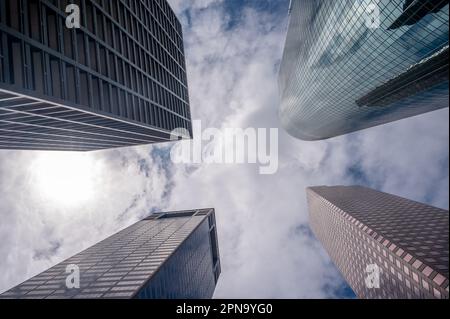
(52,205)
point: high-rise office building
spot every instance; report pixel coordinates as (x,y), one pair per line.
(353,64)
(384,245)
(117,80)
(166,256)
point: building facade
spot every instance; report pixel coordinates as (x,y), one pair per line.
(166,256)
(354,64)
(118,80)
(385,246)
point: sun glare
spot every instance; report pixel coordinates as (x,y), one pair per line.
(65,178)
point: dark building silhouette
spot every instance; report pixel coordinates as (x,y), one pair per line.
(385,246)
(351,65)
(119,80)
(166,256)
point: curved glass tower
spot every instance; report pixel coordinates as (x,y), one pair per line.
(353,64)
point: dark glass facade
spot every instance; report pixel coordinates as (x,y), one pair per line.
(166,256)
(353,64)
(363,229)
(118,80)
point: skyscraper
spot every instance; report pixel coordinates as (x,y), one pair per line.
(353,64)
(118,80)
(384,245)
(165,256)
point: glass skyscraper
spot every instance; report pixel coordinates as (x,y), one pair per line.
(353,64)
(384,245)
(118,80)
(165,256)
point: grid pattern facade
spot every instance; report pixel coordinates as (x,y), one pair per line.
(353,64)
(166,256)
(118,80)
(406,240)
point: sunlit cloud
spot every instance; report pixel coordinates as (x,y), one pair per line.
(54,205)
(66,179)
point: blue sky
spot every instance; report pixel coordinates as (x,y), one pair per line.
(233,49)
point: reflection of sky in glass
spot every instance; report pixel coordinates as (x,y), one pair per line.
(333,58)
